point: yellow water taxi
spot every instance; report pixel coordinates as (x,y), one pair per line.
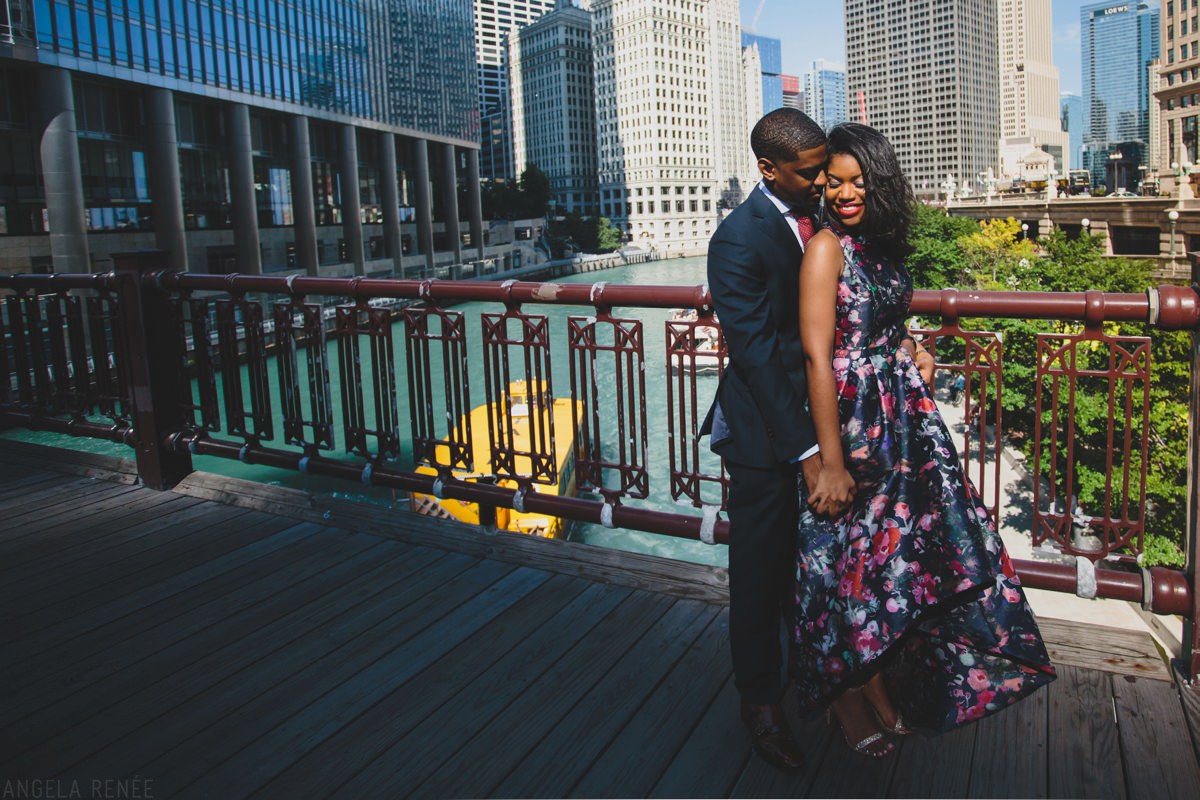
(520,409)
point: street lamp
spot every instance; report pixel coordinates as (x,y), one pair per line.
(1173,215)
(1024,231)
(1085,223)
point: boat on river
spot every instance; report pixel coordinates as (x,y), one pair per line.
(523,410)
(704,352)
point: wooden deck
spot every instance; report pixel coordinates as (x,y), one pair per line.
(214,650)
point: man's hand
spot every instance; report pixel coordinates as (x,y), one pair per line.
(830,488)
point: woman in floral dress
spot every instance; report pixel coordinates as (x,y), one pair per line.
(907,607)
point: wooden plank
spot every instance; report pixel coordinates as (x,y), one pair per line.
(517,716)
(263,737)
(74,524)
(1103,648)
(70,461)
(1156,745)
(225,680)
(74,620)
(118,695)
(558,762)
(632,765)
(464,684)
(205,622)
(1190,697)
(935,766)
(1085,755)
(635,570)
(714,755)
(96,564)
(54,504)
(97,530)
(1023,725)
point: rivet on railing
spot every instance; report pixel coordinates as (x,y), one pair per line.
(303,465)
(1093,310)
(596,295)
(366,474)
(948,305)
(242,453)
(439,485)
(606,512)
(519,500)
(291,285)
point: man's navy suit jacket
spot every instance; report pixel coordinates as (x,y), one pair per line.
(754,276)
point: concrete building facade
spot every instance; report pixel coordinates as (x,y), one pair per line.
(1030,116)
(1178,94)
(925,73)
(554,119)
(671,118)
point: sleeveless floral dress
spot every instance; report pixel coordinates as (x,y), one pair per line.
(913,579)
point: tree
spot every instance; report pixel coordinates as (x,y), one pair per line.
(535,191)
(608,236)
(937,261)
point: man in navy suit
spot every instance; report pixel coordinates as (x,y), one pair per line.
(759,422)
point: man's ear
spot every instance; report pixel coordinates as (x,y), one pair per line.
(766,168)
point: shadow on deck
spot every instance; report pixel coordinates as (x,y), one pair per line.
(216,650)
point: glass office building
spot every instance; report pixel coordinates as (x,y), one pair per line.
(771,59)
(1118,42)
(318,136)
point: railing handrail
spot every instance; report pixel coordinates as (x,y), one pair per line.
(1166,307)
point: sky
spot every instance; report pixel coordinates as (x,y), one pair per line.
(812,29)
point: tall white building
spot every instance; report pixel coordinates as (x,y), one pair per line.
(925,73)
(554,121)
(670,116)
(1030,116)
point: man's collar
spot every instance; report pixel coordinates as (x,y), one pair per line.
(783,207)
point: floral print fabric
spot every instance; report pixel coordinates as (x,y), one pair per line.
(913,579)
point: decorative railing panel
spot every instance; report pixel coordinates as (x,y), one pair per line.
(426,326)
(355,324)
(613,394)
(307,409)
(695,345)
(1073,372)
(243,351)
(196,357)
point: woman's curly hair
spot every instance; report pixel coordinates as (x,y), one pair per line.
(890,198)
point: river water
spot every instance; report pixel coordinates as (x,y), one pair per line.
(687,272)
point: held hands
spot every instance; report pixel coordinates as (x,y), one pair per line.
(830,488)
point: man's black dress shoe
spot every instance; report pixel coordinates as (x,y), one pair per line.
(771,737)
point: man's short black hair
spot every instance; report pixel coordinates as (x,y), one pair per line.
(783,134)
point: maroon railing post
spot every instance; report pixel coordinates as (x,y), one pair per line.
(1191,637)
(152,363)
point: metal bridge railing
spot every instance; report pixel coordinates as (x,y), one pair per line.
(255,368)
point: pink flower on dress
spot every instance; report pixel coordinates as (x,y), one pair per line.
(977,679)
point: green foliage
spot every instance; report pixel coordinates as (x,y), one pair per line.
(1159,551)
(608,236)
(529,198)
(993,255)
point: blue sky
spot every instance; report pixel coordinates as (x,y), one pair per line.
(812,29)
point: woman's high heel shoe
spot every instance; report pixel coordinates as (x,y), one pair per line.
(899,729)
(869,745)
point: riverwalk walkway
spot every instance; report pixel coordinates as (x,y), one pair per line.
(228,639)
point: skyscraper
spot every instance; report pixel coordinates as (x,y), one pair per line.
(494,20)
(1178,95)
(925,73)
(771,62)
(554,121)
(325,138)
(1071,116)
(1118,42)
(1030,117)
(793,93)
(671,118)
(825,93)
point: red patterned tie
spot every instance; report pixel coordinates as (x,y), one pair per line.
(804,224)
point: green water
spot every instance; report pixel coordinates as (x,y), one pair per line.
(689,271)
